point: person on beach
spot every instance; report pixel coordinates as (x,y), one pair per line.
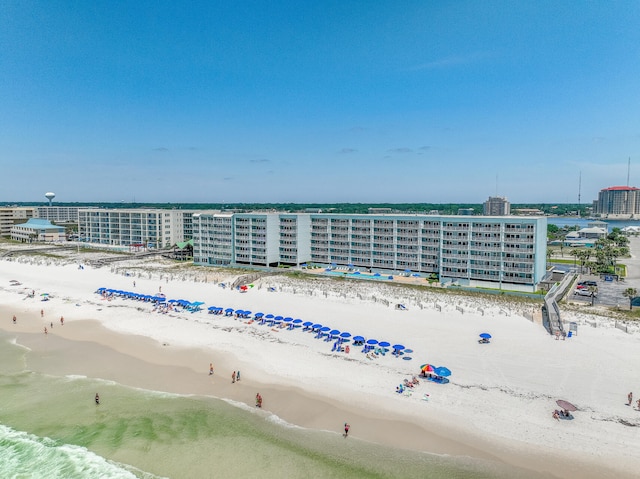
(42,313)
(51,324)
(258,400)
(210,369)
(630,398)
(233,377)
(238,376)
(61,320)
(346,429)
(97,399)
(14,319)
(45,330)
(134,284)
(556,416)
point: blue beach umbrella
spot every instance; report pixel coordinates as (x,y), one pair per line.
(384,344)
(442,371)
(259,315)
(297,321)
(358,339)
(288,319)
(325,329)
(345,335)
(278,318)
(398,347)
(372,341)
(307,323)
(485,336)
(269,316)
(316,326)
(334,332)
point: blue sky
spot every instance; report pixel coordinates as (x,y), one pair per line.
(334,101)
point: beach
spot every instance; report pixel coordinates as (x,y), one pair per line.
(493,419)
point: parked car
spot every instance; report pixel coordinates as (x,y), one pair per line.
(585,292)
(587,283)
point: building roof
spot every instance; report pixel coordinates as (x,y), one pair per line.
(621,188)
(39,223)
(184,244)
(594,230)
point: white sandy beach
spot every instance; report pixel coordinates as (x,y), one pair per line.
(497,406)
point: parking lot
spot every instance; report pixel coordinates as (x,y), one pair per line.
(609,292)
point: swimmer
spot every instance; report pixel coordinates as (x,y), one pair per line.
(97,399)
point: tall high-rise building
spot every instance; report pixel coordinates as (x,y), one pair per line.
(496,206)
(617,201)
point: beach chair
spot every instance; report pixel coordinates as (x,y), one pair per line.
(569,334)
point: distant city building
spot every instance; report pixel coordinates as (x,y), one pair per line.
(11,215)
(496,206)
(528,212)
(156,228)
(466,211)
(473,251)
(36,229)
(58,214)
(617,202)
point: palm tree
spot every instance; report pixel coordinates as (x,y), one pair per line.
(630,293)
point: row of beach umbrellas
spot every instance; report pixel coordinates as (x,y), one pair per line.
(332,333)
(276,319)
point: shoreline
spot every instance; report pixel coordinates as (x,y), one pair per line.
(407,425)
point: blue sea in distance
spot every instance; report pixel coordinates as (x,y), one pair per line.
(50,428)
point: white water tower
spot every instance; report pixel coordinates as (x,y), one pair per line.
(50,196)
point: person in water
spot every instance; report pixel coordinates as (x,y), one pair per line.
(97,399)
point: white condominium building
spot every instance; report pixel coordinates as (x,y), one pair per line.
(505,252)
(58,214)
(252,239)
(154,228)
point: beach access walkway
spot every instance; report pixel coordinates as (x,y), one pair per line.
(551,310)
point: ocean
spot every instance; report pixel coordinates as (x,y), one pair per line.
(50,427)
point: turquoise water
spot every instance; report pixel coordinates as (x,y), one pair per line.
(50,427)
(345,274)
